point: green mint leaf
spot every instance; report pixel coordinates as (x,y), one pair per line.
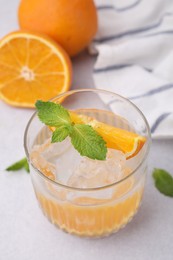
(88,142)
(19,165)
(52,114)
(83,137)
(163,182)
(26,167)
(60,134)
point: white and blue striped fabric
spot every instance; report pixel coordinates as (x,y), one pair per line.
(135,57)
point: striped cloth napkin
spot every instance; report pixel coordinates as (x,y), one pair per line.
(135,57)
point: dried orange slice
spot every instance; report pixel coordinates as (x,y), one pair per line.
(32,67)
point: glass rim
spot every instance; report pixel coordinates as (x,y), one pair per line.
(94,188)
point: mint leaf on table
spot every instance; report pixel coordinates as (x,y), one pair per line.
(83,137)
(52,114)
(163,182)
(26,166)
(88,142)
(22,164)
(60,134)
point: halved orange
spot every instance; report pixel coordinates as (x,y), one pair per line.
(129,143)
(32,67)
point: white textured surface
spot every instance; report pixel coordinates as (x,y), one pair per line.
(25,234)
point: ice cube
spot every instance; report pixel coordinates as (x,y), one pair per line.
(50,150)
(42,156)
(94,173)
(40,162)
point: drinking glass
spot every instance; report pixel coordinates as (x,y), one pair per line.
(96,211)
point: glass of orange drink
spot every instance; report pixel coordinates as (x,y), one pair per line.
(80,195)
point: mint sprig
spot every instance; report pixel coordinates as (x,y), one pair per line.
(22,164)
(163,182)
(83,137)
(60,134)
(52,114)
(87,142)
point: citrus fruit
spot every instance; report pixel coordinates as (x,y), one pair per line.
(70,23)
(32,67)
(129,143)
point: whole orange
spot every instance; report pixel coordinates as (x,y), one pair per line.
(72,23)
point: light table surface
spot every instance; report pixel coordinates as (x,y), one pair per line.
(25,234)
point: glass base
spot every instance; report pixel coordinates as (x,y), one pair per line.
(91,222)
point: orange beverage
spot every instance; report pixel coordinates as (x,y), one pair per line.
(83,196)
